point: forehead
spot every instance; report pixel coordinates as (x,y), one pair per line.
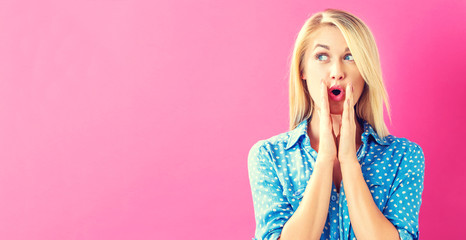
(329,36)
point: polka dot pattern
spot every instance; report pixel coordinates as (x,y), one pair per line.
(280,167)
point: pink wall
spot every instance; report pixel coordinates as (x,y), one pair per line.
(133,119)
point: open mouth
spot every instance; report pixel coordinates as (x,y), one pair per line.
(336,92)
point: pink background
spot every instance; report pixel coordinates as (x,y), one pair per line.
(133,119)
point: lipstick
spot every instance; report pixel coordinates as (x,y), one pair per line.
(336,93)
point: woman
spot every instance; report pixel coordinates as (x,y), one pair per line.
(338,173)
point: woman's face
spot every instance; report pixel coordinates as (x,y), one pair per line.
(329,58)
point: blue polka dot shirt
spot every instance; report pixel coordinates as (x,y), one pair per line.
(280,167)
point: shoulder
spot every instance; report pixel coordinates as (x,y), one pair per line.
(405,145)
(408,152)
(397,145)
(265,148)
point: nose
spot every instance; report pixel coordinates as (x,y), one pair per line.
(337,72)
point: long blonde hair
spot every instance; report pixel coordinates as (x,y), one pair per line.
(365,53)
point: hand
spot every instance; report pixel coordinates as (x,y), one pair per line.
(327,140)
(347,144)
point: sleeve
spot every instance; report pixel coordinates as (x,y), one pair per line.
(271,208)
(404,202)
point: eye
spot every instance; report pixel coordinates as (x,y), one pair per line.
(320,56)
(351,57)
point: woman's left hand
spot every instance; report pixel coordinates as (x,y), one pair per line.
(347,144)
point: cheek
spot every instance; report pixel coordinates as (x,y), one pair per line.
(358,92)
(314,91)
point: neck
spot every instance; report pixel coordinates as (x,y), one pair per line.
(314,126)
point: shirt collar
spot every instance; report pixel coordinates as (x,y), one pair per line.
(296,133)
(301,130)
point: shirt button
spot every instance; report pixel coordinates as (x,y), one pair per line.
(333,198)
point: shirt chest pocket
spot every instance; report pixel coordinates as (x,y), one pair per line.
(294,197)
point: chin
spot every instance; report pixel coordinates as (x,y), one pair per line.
(336,112)
(336,109)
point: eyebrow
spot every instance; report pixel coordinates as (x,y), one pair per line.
(326,47)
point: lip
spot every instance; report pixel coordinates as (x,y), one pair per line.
(338,97)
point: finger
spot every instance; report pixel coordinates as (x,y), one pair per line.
(335,136)
(339,125)
(318,112)
(325,110)
(345,115)
(350,102)
(351,108)
(324,98)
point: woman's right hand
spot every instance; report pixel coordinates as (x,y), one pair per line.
(327,141)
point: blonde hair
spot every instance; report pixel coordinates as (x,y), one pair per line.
(365,54)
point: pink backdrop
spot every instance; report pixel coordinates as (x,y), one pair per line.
(133,119)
